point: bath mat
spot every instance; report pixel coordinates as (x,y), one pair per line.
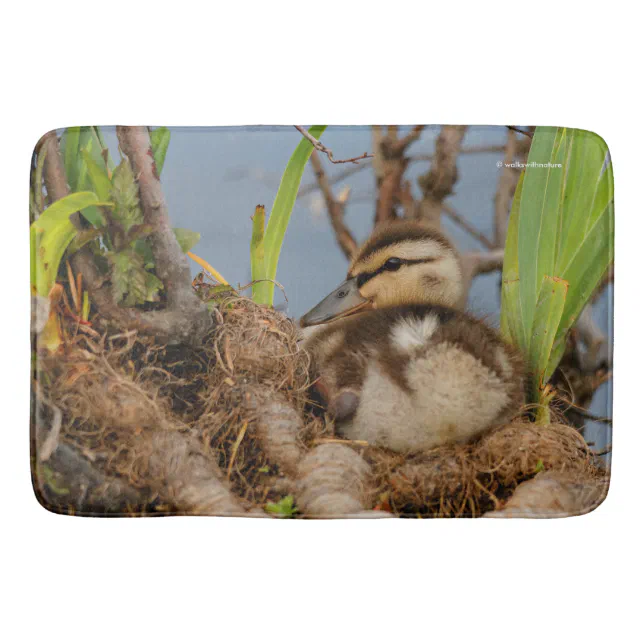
(321,321)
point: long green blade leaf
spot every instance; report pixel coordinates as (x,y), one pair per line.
(512,326)
(283,206)
(539,217)
(50,236)
(546,321)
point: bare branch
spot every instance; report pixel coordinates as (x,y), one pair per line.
(322,148)
(414,158)
(402,144)
(335,207)
(597,352)
(438,183)
(390,165)
(186,318)
(514,128)
(465,225)
(474,264)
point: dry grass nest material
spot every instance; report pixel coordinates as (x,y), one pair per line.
(228,427)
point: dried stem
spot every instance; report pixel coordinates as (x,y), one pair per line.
(335,207)
(514,128)
(465,225)
(322,148)
(414,158)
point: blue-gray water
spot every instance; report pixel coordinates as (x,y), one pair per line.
(214,177)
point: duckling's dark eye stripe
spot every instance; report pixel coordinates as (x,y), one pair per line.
(363,278)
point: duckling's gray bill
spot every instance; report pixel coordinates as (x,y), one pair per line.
(345,300)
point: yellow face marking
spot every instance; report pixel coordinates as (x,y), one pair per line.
(425,249)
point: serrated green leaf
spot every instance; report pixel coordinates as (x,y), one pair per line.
(131,283)
(187,238)
(125,195)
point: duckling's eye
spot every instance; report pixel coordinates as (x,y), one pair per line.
(393,264)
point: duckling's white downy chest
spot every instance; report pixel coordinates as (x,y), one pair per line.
(453,398)
(434,377)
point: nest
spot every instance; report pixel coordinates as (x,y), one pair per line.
(126,426)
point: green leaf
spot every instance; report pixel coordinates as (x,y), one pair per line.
(70,147)
(540,216)
(591,252)
(512,327)
(284,508)
(187,238)
(160,140)
(561,226)
(548,313)
(51,234)
(586,160)
(131,283)
(257,263)
(282,209)
(125,194)
(103,150)
(98,176)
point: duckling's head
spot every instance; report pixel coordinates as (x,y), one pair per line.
(403,262)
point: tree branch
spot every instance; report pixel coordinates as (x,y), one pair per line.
(390,165)
(322,148)
(187,318)
(414,158)
(474,264)
(514,128)
(335,207)
(465,225)
(439,182)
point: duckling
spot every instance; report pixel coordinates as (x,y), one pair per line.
(399,366)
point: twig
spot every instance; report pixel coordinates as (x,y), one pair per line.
(322,148)
(402,144)
(474,264)
(607,450)
(335,207)
(465,225)
(514,128)
(414,158)
(238,440)
(597,350)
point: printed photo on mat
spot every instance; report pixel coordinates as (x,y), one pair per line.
(321,321)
